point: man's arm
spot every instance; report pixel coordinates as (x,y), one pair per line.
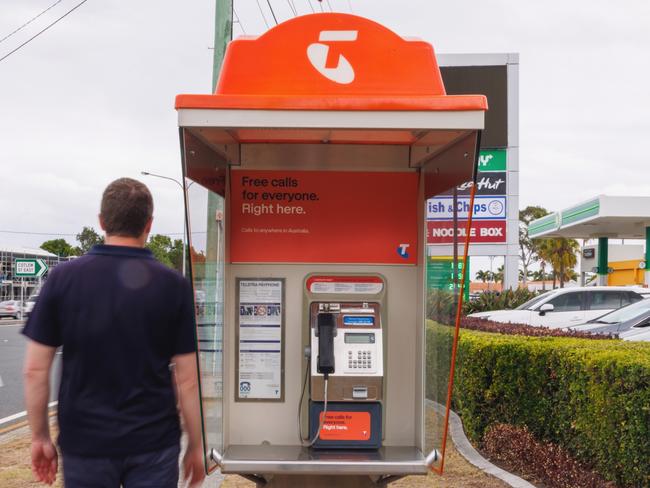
(187,389)
(38,361)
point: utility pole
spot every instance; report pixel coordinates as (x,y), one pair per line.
(214,263)
(222,35)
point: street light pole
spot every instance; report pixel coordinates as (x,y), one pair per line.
(183,188)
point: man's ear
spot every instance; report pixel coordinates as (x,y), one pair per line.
(101,222)
(147,228)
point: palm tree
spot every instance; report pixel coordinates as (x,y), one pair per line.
(498,276)
(483,275)
(561,254)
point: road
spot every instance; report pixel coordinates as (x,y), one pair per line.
(12,352)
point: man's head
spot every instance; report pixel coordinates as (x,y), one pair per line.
(126,210)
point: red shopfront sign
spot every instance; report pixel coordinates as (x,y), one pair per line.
(482,232)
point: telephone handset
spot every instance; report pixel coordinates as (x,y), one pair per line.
(325,331)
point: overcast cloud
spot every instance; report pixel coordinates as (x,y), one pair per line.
(92,99)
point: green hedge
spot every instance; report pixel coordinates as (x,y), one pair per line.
(591,397)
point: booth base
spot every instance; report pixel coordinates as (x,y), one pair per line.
(315,481)
(264,460)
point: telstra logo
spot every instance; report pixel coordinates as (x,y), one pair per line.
(318,52)
(402,250)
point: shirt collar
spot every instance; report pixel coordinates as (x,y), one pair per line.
(124,251)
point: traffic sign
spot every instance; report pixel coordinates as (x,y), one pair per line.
(32,268)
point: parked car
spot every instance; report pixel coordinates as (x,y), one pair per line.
(634,318)
(644,336)
(10,308)
(29,304)
(565,307)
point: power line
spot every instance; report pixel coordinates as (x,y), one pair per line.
(320,2)
(30,21)
(43,30)
(262,12)
(272,12)
(350,5)
(62,234)
(292,7)
(36,233)
(311,7)
(330,6)
(238,20)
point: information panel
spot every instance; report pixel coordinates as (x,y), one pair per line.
(260,339)
(324,217)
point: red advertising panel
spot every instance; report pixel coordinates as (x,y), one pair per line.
(345,426)
(323,217)
(482,232)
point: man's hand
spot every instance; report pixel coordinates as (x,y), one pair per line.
(193,470)
(44,461)
(38,361)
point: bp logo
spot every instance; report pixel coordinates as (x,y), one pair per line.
(244,387)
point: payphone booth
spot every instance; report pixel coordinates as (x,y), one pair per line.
(307,174)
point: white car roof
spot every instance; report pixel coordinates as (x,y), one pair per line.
(600,288)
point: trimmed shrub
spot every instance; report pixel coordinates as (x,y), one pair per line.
(475,323)
(590,397)
(518,449)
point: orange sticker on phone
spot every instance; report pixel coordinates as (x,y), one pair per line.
(345,426)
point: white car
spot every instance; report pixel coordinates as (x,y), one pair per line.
(644,336)
(565,307)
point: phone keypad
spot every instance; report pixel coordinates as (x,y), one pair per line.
(361,360)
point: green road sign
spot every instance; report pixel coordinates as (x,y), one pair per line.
(30,268)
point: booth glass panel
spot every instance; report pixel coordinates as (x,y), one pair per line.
(447,216)
(204,184)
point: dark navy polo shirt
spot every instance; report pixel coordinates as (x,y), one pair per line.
(120,316)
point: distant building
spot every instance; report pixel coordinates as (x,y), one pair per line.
(9,284)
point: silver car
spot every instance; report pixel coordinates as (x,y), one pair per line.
(10,308)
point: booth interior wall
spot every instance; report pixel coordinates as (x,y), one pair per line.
(278,424)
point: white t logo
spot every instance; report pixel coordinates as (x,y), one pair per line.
(343,72)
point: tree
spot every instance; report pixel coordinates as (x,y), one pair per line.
(561,254)
(527,246)
(484,276)
(60,247)
(87,238)
(160,246)
(168,252)
(176,254)
(498,276)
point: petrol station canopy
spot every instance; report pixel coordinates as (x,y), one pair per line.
(618,217)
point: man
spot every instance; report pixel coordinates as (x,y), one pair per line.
(122,319)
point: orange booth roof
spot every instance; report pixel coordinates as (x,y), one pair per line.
(330,61)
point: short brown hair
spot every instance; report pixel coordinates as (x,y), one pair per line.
(126,208)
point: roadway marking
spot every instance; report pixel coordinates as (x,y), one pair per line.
(20,415)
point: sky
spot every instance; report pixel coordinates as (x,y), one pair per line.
(92,99)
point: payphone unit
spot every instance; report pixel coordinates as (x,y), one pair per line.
(346,373)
